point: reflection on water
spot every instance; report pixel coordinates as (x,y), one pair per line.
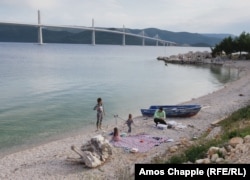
(225,74)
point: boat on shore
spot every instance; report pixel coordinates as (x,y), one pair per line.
(173,110)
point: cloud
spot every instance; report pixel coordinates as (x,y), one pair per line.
(173,15)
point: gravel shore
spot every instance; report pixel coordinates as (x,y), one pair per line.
(49,161)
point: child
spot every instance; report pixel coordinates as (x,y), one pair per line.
(116,136)
(129,122)
(100,113)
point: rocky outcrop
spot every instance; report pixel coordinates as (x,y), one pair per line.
(193,58)
(95,152)
(237,151)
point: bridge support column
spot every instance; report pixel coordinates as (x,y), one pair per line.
(157,40)
(93,33)
(143,39)
(40,33)
(123,37)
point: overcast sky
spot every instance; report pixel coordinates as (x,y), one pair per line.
(195,16)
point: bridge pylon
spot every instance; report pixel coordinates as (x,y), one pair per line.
(40,33)
(143,39)
(93,32)
(123,37)
(157,39)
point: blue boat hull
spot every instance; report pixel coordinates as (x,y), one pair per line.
(173,110)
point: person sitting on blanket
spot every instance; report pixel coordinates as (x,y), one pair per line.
(116,135)
(159,116)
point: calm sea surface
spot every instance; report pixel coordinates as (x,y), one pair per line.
(49,91)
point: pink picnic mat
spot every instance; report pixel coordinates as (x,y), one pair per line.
(142,142)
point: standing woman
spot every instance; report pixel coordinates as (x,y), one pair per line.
(100,113)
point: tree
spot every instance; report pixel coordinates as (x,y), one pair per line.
(227,45)
(230,45)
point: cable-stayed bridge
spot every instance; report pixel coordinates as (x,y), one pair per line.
(122,31)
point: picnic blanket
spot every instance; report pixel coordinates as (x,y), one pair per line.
(142,142)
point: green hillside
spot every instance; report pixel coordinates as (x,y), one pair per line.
(20,33)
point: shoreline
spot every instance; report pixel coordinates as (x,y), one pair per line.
(49,161)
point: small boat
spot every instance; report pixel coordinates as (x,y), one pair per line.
(173,110)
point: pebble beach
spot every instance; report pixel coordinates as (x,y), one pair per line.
(50,161)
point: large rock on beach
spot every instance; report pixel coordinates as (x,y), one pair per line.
(95,152)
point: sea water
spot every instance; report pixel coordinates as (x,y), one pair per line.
(48,91)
